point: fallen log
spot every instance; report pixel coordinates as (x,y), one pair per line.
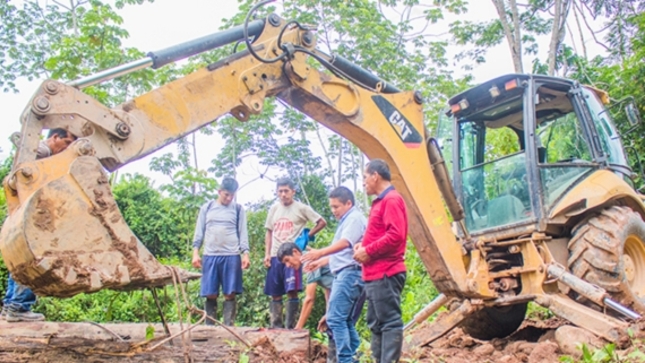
(125,343)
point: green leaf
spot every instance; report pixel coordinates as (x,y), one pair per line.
(150,332)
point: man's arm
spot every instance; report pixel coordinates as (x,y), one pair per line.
(350,236)
(313,254)
(244,231)
(307,305)
(314,217)
(394,230)
(244,238)
(268,237)
(198,238)
(320,224)
(314,265)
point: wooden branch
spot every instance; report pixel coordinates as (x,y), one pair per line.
(515,52)
(61,5)
(555,30)
(517,34)
(593,34)
(582,39)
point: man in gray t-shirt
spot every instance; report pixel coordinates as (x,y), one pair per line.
(221,229)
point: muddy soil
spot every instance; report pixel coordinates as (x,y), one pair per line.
(533,342)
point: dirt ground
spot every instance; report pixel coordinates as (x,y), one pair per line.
(533,342)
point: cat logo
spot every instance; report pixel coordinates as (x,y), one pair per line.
(407,133)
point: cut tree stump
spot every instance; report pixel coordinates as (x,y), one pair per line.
(85,342)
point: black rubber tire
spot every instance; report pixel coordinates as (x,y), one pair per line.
(494,322)
(596,252)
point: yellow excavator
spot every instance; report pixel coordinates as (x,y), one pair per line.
(550,216)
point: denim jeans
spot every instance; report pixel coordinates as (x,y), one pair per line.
(345,293)
(18,297)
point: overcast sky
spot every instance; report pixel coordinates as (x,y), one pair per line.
(154,26)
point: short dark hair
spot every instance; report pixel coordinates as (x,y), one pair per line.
(380,167)
(286,182)
(62,133)
(229,184)
(286,249)
(343,194)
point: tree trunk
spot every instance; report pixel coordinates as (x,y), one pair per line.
(511,31)
(561,8)
(82,342)
(365,200)
(354,176)
(582,38)
(329,163)
(340,162)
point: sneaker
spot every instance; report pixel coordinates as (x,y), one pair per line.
(14,316)
(3,313)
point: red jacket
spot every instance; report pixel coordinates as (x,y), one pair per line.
(385,236)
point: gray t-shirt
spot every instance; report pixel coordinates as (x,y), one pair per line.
(220,231)
(286,223)
(350,227)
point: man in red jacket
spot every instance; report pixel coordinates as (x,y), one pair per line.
(381,254)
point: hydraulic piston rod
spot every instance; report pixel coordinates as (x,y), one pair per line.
(177,52)
(591,292)
(422,315)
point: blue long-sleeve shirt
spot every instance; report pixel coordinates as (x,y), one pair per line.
(221,229)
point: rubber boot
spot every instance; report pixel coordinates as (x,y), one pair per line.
(276,314)
(229,312)
(375,345)
(331,352)
(210,306)
(391,346)
(293,307)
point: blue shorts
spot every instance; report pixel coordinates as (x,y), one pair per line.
(282,279)
(224,271)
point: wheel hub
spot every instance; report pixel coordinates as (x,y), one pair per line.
(634,264)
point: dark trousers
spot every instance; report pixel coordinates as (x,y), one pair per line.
(384,317)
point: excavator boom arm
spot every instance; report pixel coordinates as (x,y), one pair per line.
(65,234)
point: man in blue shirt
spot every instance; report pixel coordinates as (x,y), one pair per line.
(221,228)
(348,284)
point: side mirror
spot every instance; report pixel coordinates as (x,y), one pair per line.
(633,116)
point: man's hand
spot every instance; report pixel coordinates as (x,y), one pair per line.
(267,261)
(246,262)
(322,324)
(197,261)
(312,266)
(357,246)
(360,255)
(311,255)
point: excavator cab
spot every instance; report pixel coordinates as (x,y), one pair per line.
(521,143)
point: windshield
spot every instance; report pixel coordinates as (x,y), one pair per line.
(444,138)
(493,170)
(609,138)
(564,155)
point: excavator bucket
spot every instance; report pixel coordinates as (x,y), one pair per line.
(65,234)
